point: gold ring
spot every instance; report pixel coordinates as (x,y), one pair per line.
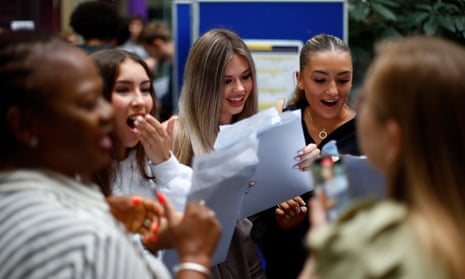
(147,222)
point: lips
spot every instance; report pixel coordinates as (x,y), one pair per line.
(106,143)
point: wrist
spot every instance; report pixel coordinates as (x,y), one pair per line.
(191,266)
(198,259)
(161,159)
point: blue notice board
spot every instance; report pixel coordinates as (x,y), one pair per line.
(262,20)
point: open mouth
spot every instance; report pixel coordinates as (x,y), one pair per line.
(131,123)
(329,103)
(236,99)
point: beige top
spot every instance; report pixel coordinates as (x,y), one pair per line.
(371,240)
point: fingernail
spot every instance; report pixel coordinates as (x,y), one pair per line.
(300,153)
(138,120)
(161,198)
(155,228)
(297,158)
(154,238)
(296,166)
(136,200)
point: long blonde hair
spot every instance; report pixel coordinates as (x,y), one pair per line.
(419,83)
(200,104)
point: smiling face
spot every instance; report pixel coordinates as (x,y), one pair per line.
(238,85)
(327,81)
(131,97)
(73,130)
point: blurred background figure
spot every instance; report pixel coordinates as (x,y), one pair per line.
(69,36)
(98,23)
(135,25)
(156,38)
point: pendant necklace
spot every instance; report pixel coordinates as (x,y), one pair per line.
(323,133)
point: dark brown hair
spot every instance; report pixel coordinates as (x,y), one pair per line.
(108,62)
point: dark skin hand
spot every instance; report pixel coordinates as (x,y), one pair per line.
(132,211)
(291,213)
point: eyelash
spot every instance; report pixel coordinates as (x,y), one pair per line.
(343,81)
(244,78)
(90,104)
(123,90)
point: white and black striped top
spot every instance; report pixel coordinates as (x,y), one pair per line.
(55,227)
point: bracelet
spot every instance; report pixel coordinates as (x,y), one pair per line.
(192,266)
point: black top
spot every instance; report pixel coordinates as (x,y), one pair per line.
(284,251)
(345,136)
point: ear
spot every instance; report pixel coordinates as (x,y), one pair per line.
(298,77)
(22,124)
(158,42)
(394,141)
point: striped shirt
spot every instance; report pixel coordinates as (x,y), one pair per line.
(52,226)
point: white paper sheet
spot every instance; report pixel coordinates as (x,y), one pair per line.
(280,137)
(220,179)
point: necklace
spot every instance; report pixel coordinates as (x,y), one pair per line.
(323,133)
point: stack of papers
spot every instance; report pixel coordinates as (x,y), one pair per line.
(250,171)
(275,180)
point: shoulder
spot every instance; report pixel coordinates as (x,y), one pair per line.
(367,217)
(43,234)
(346,137)
(371,240)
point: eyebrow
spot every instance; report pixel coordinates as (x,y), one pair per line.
(325,73)
(130,82)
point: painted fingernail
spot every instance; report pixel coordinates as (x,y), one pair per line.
(138,120)
(136,200)
(161,198)
(154,238)
(155,228)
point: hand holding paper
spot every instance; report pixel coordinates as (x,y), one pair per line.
(280,137)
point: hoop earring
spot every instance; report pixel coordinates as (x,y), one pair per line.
(33,143)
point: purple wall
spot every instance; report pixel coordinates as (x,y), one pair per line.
(138,7)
